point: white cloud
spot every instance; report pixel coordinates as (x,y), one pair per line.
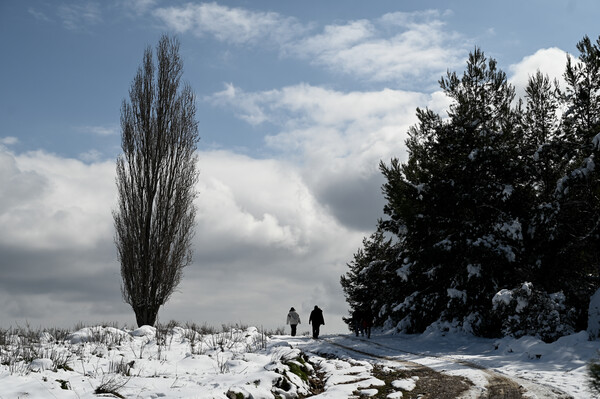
(267,204)
(54,202)
(91,156)
(39,15)
(550,61)
(101,130)
(322,123)
(18,186)
(9,140)
(231,25)
(79,16)
(395,47)
(248,106)
(261,234)
(336,138)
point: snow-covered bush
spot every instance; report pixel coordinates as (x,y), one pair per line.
(526,310)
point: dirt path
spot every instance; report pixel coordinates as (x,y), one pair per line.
(498,386)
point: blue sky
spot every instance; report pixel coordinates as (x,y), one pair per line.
(297,104)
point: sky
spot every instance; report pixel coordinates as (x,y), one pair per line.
(298,102)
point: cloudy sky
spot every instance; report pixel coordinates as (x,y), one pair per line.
(298,101)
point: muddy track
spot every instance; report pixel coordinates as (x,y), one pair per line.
(499,386)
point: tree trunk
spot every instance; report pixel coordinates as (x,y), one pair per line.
(146,316)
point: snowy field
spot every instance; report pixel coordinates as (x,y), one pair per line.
(194,362)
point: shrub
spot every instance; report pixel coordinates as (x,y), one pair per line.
(529,311)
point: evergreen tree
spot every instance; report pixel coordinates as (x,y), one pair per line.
(578,190)
(499,200)
(407,191)
(368,283)
(544,163)
(459,198)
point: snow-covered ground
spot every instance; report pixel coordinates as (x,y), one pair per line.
(189,363)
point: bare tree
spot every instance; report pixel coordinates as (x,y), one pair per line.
(156,178)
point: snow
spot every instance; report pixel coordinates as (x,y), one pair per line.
(186,363)
(511,230)
(41,364)
(457,294)
(407,384)
(404,271)
(503,296)
(474,270)
(507,191)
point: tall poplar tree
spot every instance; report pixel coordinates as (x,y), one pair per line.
(156,179)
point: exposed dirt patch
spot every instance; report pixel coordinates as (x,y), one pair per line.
(429,385)
(316,382)
(433,384)
(503,388)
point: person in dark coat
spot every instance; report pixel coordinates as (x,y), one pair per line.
(367,322)
(357,321)
(316,319)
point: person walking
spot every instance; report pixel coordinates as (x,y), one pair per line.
(316,319)
(293,319)
(357,321)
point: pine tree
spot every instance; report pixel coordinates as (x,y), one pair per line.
(458,199)
(368,282)
(544,163)
(578,190)
(499,197)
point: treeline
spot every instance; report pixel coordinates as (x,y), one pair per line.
(493,223)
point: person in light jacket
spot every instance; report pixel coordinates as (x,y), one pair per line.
(316,319)
(293,319)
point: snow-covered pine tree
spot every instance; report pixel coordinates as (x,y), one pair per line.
(492,199)
(414,302)
(545,162)
(460,198)
(368,283)
(481,192)
(578,190)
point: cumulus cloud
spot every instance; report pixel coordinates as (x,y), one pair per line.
(91,156)
(386,49)
(337,138)
(550,61)
(382,49)
(56,240)
(261,238)
(51,202)
(257,204)
(18,186)
(231,25)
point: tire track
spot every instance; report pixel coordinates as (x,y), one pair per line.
(498,385)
